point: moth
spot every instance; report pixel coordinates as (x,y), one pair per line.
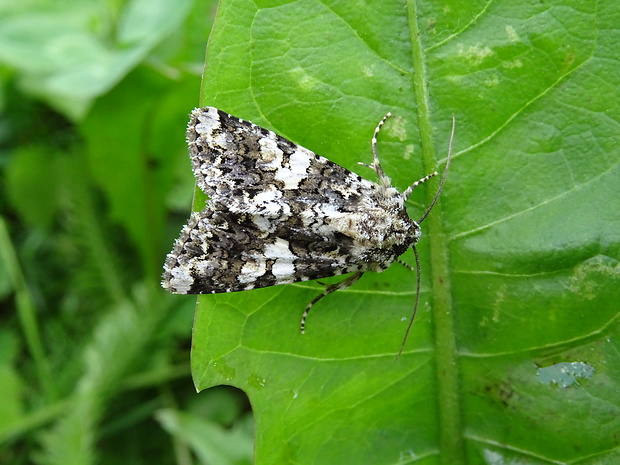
(279,213)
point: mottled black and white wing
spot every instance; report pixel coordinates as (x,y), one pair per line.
(278,213)
(223,251)
(248,167)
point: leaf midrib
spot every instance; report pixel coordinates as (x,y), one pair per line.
(446,359)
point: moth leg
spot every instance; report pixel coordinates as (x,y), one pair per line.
(409,190)
(344,284)
(405,264)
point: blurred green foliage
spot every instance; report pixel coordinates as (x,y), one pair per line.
(95,184)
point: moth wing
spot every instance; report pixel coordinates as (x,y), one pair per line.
(278,213)
(247,168)
(223,251)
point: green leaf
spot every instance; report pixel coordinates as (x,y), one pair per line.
(72,52)
(519,258)
(209,440)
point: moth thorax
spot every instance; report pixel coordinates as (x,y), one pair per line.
(386,230)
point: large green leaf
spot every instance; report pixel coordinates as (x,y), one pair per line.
(519,258)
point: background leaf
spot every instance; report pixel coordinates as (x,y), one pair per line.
(71,56)
(94,185)
(520,258)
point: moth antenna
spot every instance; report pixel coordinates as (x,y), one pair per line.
(443,177)
(417,299)
(415,251)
